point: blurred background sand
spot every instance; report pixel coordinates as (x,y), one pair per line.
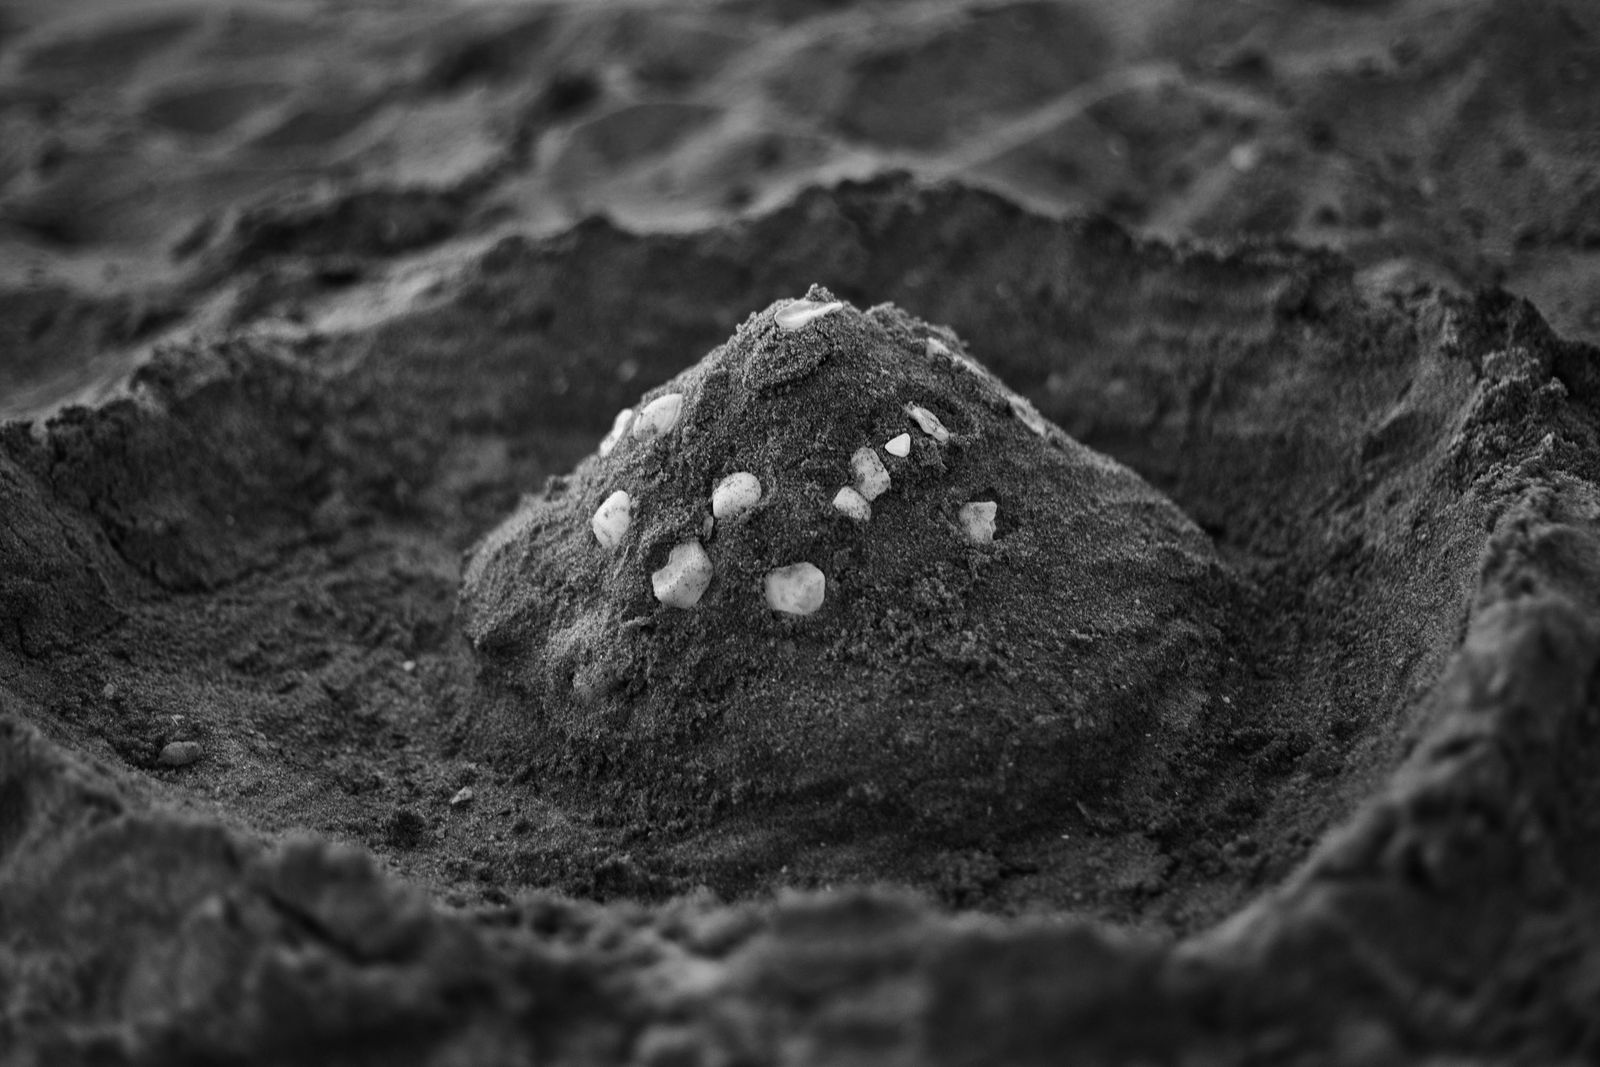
(171,166)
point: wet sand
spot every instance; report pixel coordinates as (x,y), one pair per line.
(298,301)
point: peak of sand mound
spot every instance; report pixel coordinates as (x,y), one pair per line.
(838,558)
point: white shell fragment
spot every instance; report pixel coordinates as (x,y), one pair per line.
(180,753)
(611,519)
(852,504)
(797,589)
(659,416)
(872,477)
(899,445)
(929,422)
(797,313)
(735,495)
(977,519)
(1029,416)
(683,581)
(936,347)
(619,426)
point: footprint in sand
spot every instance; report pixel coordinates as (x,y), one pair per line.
(609,146)
(93,53)
(921,85)
(202,108)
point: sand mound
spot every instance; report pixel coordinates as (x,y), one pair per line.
(919,595)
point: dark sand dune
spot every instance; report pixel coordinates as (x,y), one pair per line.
(298,301)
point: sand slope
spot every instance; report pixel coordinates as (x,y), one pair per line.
(329,284)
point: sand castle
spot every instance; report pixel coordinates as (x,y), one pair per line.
(838,556)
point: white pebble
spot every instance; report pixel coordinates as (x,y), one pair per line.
(797,313)
(180,753)
(683,581)
(872,477)
(659,416)
(619,426)
(852,504)
(899,445)
(936,347)
(1029,416)
(797,589)
(735,495)
(611,519)
(977,518)
(929,422)
(463,796)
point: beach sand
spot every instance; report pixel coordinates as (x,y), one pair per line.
(299,302)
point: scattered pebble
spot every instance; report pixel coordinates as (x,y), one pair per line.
(1244,157)
(977,519)
(797,589)
(463,796)
(611,519)
(180,753)
(797,313)
(872,477)
(899,445)
(619,426)
(409,665)
(936,347)
(659,416)
(683,581)
(929,422)
(852,504)
(109,691)
(735,495)
(1029,416)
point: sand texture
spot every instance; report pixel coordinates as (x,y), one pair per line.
(337,727)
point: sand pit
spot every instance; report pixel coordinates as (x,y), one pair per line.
(1141,606)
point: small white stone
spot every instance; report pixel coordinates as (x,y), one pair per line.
(180,753)
(1029,416)
(929,422)
(683,581)
(659,416)
(611,519)
(463,796)
(797,313)
(852,504)
(735,495)
(937,347)
(977,519)
(899,445)
(619,426)
(797,589)
(872,477)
